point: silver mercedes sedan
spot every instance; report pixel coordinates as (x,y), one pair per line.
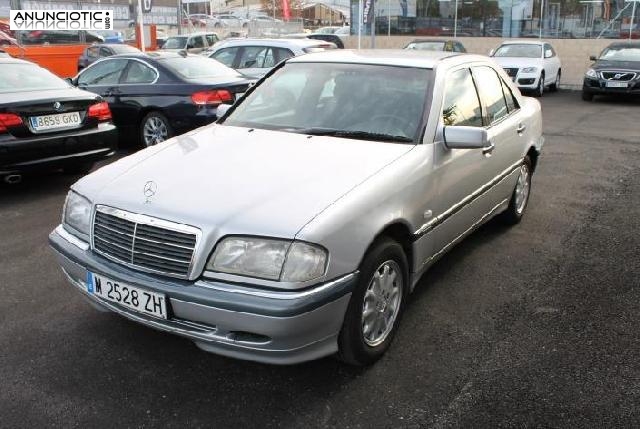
(297,225)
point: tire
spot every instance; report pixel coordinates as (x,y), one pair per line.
(539,92)
(514,213)
(555,86)
(81,168)
(154,128)
(382,259)
(587,96)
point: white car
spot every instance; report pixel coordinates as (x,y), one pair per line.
(532,65)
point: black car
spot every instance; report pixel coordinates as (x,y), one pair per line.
(46,123)
(332,38)
(161,94)
(93,53)
(436,45)
(615,72)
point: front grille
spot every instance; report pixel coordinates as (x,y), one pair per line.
(148,243)
(618,75)
(511,72)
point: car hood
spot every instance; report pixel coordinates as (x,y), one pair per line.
(616,65)
(512,62)
(231,180)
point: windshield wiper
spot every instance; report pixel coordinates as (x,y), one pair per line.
(361,135)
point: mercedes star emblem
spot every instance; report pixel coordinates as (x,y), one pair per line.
(150,189)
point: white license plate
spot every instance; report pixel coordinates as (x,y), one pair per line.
(617,84)
(54,122)
(140,300)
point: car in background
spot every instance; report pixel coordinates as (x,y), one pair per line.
(615,72)
(532,65)
(331,38)
(45,123)
(192,43)
(204,20)
(156,95)
(436,45)
(298,225)
(254,57)
(232,21)
(52,37)
(112,36)
(93,53)
(7,40)
(327,30)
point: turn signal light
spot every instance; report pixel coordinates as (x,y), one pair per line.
(100,111)
(217,96)
(9,120)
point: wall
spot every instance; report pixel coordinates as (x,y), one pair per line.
(574,53)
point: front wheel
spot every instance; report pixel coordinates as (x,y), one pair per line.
(520,196)
(539,92)
(556,84)
(154,129)
(376,304)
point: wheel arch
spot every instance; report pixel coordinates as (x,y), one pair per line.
(533,155)
(400,232)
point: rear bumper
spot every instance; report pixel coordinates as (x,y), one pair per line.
(231,320)
(57,151)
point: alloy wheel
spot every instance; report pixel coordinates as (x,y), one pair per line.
(381,303)
(155,131)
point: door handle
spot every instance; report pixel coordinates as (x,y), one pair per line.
(521,128)
(487,150)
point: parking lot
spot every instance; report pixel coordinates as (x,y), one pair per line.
(535,325)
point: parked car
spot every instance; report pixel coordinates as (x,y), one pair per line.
(297,226)
(331,38)
(232,21)
(615,72)
(59,37)
(161,94)
(93,53)
(255,57)
(47,124)
(204,20)
(112,36)
(192,43)
(436,45)
(533,65)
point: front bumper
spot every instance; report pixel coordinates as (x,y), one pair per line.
(527,81)
(598,86)
(232,320)
(57,150)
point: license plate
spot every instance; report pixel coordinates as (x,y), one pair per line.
(54,122)
(617,84)
(134,298)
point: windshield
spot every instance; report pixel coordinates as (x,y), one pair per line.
(28,77)
(621,54)
(197,67)
(426,46)
(519,51)
(175,43)
(346,100)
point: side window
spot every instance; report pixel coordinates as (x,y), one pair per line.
(282,53)
(490,89)
(212,39)
(105,72)
(226,56)
(253,57)
(461,103)
(139,73)
(92,52)
(460,48)
(104,52)
(512,102)
(448,47)
(196,42)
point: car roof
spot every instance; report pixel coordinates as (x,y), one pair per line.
(155,55)
(300,42)
(432,40)
(392,57)
(624,45)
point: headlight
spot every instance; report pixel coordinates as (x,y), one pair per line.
(272,259)
(591,73)
(529,70)
(77,213)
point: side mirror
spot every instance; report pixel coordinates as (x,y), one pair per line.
(593,58)
(465,137)
(70,81)
(222,110)
(548,54)
(491,52)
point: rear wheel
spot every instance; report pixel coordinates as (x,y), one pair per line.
(376,304)
(555,86)
(154,129)
(520,196)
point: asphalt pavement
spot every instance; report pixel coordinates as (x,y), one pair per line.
(537,325)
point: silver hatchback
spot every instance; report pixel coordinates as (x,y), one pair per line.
(297,226)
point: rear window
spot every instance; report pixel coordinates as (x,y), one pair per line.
(175,43)
(196,67)
(426,46)
(28,77)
